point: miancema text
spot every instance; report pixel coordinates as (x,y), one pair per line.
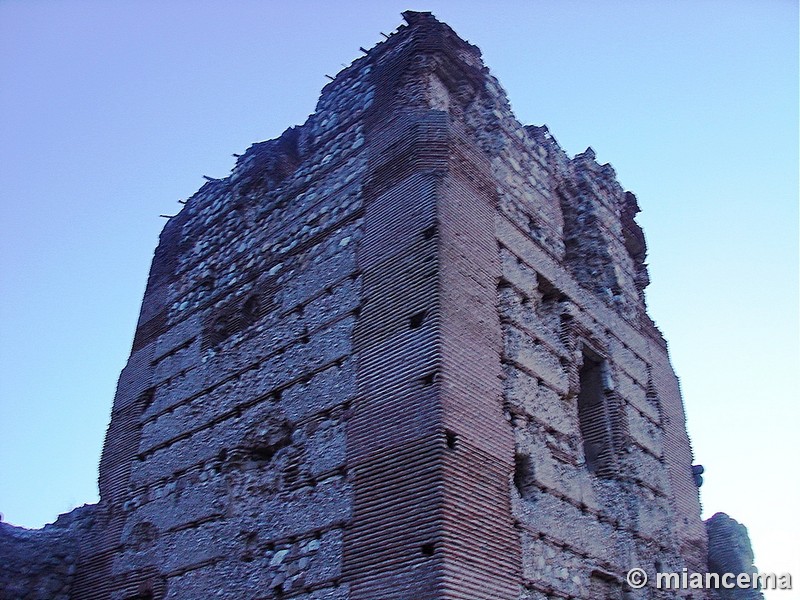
(728,581)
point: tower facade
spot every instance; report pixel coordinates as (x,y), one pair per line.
(401,352)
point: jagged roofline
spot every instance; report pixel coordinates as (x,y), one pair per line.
(266,164)
(286,144)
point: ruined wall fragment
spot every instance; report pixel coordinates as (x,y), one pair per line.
(41,564)
(729,551)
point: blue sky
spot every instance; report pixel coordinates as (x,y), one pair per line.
(111,112)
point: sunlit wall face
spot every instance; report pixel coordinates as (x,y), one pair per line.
(112,112)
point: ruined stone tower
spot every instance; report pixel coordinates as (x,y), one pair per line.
(400,353)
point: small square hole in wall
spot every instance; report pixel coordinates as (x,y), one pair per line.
(220,329)
(251,309)
(146,398)
(450,439)
(428,549)
(430,378)
(416,320)
(533,228)
(524,476)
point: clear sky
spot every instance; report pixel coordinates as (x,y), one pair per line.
(110,112)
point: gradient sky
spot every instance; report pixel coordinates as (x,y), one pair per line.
(110,112)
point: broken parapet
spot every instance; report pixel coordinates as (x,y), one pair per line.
(41,564)
(729,551)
